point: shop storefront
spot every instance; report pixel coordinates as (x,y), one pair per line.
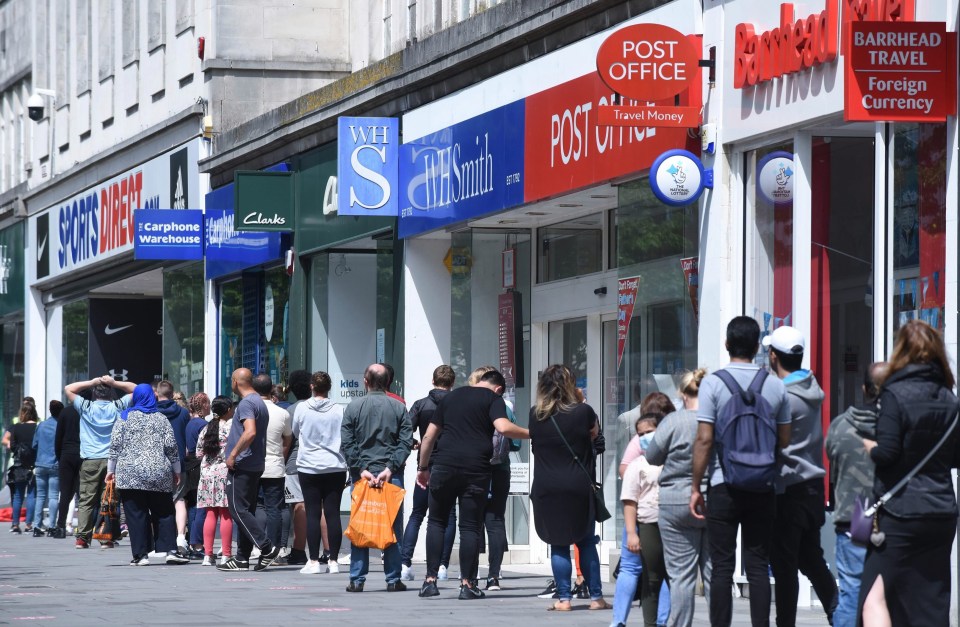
(11,323)
(524,220)
(323,297)
(92,307)
(843,229)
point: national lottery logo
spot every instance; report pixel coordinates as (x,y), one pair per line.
(677,172)
(775,177)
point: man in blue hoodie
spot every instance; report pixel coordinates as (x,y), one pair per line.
(800,484)
(178,417)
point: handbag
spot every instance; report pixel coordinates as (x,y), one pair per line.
(601,513)
(865,520)
(107,528)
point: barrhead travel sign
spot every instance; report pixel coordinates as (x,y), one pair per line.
(903,72)
(98,224)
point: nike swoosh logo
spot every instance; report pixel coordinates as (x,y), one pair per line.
(108,331)
(40,248)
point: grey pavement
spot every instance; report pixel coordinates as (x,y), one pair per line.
(47,581)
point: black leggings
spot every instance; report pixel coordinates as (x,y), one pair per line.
(321,494)
(69,482)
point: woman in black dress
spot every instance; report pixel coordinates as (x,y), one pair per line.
(919,522)
(562,493)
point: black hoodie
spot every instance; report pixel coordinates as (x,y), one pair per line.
(421,414)
(178,417)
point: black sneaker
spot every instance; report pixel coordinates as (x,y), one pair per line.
(580,591)
(397,586)
(196,555)
(471,592)
(324,559)
(234,564)
(429,589)
(16,529)
(267,558)
(176,558)
(58,532)
(550,592)
(39,532)
(355,587)
(493,583)
(299,558)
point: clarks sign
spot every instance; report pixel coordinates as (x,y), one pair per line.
(799,44)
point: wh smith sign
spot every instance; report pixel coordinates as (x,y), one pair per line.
(98,223)
(163,234)
(367,162)
(470,169)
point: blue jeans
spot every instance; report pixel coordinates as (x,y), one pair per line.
(631,567)
(48,494)
(589,566)
(360,558)
(273,502)
(421,501)
(21,489)
(195,519)
(850,557)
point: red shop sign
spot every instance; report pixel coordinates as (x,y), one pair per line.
(901,71)
(565,148)
(648,61)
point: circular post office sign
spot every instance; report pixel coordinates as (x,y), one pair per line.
(677,178)
(775,177)
(648,62)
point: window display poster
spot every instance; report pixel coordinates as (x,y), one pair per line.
(691,276)
(509,336)
(626,299)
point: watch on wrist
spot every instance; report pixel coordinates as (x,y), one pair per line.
(422,468)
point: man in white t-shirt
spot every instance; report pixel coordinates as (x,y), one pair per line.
(279,439)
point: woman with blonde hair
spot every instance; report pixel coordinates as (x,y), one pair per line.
(562,491)
(918,413)
(684,537)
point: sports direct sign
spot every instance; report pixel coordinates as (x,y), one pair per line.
(903,72)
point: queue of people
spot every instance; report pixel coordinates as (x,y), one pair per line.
(740,460)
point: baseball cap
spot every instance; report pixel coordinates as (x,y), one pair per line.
(786,340)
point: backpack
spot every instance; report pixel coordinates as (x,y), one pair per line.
(502,445)
(745,433)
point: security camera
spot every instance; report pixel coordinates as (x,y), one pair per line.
(35,107)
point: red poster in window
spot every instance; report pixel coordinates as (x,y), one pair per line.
(900,71)
(509,336)
(626,299)
(691,275)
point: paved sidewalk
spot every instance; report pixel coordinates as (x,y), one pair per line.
(47,581)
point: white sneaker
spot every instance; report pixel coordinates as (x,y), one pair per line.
(333,568)
(406,573)
(207,561)
(344,560)
(182,544)
(157,556)
(254,553)
(312,568)
(442,574)
(285,551)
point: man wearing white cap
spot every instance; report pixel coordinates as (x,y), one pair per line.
(800,483)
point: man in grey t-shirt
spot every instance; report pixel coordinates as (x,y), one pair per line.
(729,508)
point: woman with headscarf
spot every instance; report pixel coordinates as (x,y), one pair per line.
(145,464)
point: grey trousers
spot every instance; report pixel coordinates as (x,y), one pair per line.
(685,552)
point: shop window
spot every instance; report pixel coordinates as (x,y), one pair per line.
(476,284)
(842,238)
(654,339)
(572,248)
(919,224)
(11,372)
(231,332)
(275,329)
(769,237)
(183,328)
(76,321)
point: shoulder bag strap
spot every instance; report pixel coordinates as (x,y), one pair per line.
(570,448)
(910,475)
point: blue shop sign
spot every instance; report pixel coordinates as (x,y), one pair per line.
(167,234)
(465,171)
(367,154)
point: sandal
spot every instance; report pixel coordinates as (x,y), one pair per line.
(600,604)
(560,606)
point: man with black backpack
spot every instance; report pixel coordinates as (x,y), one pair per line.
(744,417)
(800,487)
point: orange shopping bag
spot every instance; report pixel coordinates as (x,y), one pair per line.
(372,512)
